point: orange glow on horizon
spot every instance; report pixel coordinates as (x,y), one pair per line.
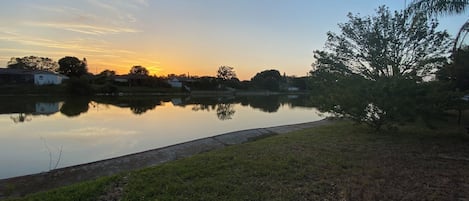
(123,69)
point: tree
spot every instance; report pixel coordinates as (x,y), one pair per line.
(385,45)
(33,63)
(373,70)
(226,73)
(268,79)
(72,66)
(138,70)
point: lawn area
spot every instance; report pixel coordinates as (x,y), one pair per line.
(343,161)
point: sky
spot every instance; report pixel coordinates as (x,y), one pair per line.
(181,36)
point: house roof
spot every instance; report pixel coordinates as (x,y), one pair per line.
(13,71)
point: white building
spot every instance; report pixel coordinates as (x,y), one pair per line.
(175,83)
(48,78)
(23,76)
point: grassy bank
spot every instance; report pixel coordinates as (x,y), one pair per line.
(340,161)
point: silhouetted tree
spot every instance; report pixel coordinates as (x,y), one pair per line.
(226,73)
(373,70)
(72,66)
(138,70)
(268,79)
(33,63)
(385,45)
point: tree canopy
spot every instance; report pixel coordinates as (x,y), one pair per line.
(267,79)
(387,44)
(226,73)
(72,66)
(372,71)
(33,63)
(138,70)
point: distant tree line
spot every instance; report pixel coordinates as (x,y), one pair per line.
(82,82)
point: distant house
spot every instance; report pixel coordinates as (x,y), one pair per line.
(36,77)
(180,82)
(175,83)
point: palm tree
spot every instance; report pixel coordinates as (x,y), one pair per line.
(445,7)
(440,7)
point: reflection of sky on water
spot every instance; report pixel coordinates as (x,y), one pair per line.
(106,131)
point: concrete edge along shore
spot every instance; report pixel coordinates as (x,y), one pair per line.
(19,186)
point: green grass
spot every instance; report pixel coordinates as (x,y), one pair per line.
(86,191)
(340,161)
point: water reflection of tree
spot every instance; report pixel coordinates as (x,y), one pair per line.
(21,118)
(139,107)
(73,107)
(203,107)
(268,104)
(225,111)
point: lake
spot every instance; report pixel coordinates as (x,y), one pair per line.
(38,134)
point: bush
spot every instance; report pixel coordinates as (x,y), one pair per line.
(384,102)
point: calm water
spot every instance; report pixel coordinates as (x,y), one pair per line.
(38,134)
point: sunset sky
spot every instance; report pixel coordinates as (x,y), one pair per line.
(180,36)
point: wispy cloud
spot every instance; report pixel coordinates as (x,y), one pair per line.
(100,18)
(90,28)
(120,9)
(83,46)
(84,28)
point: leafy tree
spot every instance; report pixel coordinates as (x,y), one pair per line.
(72,66)
(138,70)
(373,70)
(226,73)
(33,63)
(385,45)
(444,7)
(268,79)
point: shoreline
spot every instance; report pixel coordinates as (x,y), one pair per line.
(27,184)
